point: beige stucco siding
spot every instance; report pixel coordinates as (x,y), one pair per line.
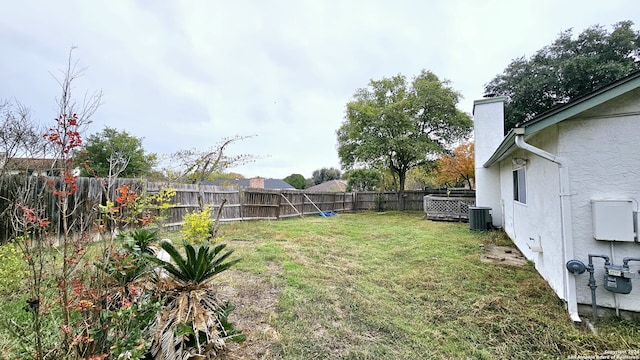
(602,147)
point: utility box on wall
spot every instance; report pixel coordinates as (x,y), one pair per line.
(613,220)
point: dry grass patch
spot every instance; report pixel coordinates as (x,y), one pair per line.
(255,299)
(394,286)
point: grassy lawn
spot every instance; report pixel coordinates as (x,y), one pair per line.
(379,286)
(395,286)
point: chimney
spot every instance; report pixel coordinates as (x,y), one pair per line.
(488,127)
(256,183)
(488,133)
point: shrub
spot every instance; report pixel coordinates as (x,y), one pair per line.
(139,240)
(13,268)
(197,226)
(129,305)
(194,320)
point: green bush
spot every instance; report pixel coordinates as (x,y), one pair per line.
(197,226)
(13,268)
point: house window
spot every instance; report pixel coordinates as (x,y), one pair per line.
(519,186)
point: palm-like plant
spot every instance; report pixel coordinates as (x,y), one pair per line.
(140,240)
(193,321)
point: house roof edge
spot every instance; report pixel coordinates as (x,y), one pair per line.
(563,112)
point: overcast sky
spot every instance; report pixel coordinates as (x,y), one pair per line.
(184,74)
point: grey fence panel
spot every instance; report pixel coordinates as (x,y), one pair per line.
(240,204)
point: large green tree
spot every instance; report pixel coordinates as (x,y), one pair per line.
(296,180)
(325,174)
(398,124)
(568,68)
(363,180)
(113,153)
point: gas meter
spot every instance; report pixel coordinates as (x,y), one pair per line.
(617,278)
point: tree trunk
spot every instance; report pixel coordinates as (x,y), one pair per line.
(402,175)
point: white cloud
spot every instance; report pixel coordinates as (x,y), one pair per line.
(185,74)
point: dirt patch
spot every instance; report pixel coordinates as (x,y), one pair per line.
(506,255)
(255,299)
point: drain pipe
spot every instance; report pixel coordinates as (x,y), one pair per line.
(565,216)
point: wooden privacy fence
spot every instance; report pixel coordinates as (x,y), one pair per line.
(261,204)
(240,204)
(371,200)
(36,192)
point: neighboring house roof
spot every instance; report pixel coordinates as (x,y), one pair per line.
(331,186)
(30,164)
(221,182)
(269,184)
(564,112)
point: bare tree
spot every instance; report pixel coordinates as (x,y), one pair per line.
(197,165)
(64,137)
(20,135)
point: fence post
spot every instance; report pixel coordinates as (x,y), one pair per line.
(279,205)
(242,200)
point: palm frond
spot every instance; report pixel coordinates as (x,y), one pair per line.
(194,320)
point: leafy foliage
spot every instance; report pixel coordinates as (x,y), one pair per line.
(71,307)
(568,68)
(363,180)
(114,153)
(325,174)
(131,208)
(296,180)
(13,269)
(421,177)
(140,240)
(123,267)
(197,226)
(130,329)
(129,303)
(457,168)
(201,263)
(398,125)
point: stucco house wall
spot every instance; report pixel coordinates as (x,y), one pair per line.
(597,137)
(536,224)
(604,161)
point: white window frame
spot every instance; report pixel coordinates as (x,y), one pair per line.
(520,185)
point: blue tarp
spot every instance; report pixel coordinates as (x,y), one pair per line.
(328,213)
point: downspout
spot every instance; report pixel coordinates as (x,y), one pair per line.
(565,219)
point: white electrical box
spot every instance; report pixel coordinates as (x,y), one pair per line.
(613,220)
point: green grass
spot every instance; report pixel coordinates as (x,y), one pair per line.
(395,286)
(382,286)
